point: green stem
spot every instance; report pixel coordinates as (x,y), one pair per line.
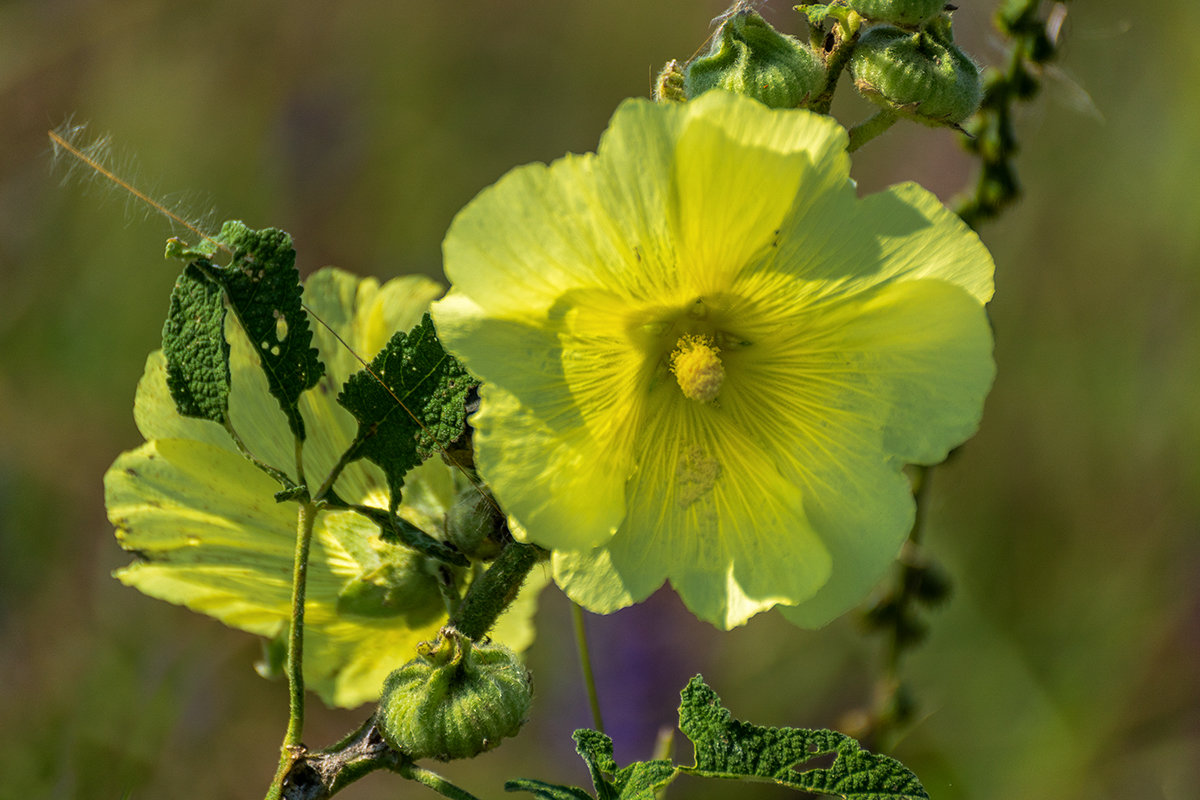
(869,128)
(292,747)
(496,589)
(295,659)
(585,661)
(434,781)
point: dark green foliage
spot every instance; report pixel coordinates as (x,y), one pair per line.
(263,288)
(410,403)
(195,347)
(639,781)
(727,748)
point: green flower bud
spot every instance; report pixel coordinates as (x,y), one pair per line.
(750,57)
(922,76)
(668,86)
(396,581)
(454,700)
(909,13)
(472,524)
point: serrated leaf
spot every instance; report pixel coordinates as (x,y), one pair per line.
(409,404)
(727,748)
(262,286)
(195,347)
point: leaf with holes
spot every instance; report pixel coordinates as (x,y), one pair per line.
(732,750)
(262,287)
(410,403)
(728,748)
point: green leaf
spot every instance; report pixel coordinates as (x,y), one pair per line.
(546,791)
(641,780)
(262,286)
(409,404)
(727,748)
(195,347)
(596,750)
(733,750)
(644,780)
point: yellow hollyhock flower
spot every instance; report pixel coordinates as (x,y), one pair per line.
(209,535)
(706,360)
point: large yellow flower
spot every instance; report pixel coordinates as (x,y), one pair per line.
(706,360)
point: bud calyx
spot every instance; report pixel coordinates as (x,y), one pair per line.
(456,699)
(751,58)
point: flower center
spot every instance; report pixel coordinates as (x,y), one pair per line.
(697,367)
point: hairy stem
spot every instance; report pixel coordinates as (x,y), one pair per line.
(496,589)
(292,747)
(871,127)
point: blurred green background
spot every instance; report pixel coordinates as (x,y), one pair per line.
(1065,665)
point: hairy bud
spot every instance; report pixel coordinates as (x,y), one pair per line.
(456,699)
(750,57)
(922,75)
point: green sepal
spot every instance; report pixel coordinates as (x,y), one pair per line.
(727,748)
(906,13)
(262,286)
(195,347)
(668,86)
(815,12)
(410,403)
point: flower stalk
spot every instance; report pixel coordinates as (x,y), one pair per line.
(496,589)
(292,746)
(585,662)
(871,127)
